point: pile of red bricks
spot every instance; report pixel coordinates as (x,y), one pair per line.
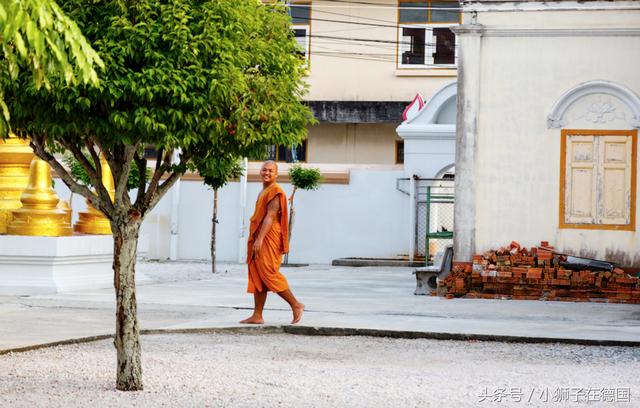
(513,272)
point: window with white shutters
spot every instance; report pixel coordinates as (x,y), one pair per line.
(598,179)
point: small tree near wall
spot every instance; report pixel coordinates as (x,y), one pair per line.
(302,178)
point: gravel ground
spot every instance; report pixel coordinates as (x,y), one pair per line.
(180,271)
(279,370)
(161,272)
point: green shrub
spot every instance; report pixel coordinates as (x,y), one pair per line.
(305,178)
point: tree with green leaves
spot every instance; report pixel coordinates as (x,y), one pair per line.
(303,178)
(217,172)
(38,36)
(196,79)
(79,173)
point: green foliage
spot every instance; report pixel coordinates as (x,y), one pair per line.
(208,78)
(305,178)
(77,171)
(218,171)
(37,35)
(80,174)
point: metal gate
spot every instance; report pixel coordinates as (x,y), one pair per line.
(433,217)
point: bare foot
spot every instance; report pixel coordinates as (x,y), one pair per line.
(253,320)
(297,313)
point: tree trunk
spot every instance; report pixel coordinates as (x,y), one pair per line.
(127,340)
(214,221)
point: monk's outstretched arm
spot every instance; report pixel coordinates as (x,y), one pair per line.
(272,213)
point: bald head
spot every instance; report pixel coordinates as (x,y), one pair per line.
(271,163)
(269,172)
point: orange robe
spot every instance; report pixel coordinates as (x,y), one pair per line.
(264,267)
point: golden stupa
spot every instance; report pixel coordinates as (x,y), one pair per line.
(64,206)
(39,215)
(15,157)
(93,221)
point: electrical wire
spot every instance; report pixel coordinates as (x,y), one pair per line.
(356,58)
(351,15)
(348,22)
(372,54)
(364,40)
(369,6)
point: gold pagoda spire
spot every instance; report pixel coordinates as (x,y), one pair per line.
(39,215)
(93,221)
(15,158)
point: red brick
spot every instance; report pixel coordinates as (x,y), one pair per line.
(534,273)
(626,281)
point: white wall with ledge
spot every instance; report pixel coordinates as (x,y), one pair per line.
(364,216)
(31,265)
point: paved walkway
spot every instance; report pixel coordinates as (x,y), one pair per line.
(182,295)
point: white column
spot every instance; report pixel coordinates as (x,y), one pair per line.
(469,37)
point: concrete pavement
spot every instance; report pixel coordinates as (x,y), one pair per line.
(185,295)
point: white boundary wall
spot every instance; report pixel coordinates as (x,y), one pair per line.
(365,218)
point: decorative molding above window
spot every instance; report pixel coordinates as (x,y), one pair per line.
(601,109)
(561,32)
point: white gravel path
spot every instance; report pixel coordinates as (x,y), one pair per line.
(279,370)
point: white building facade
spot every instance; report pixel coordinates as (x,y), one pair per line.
(547,129)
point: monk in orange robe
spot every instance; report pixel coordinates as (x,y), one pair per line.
(268,240)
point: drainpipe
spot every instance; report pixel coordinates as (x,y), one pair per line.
(175,206)
(243,205)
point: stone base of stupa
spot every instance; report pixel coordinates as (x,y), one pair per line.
(31,265)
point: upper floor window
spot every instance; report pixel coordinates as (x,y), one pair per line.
(300,12)
(424,37)
(289,154)
(399,151)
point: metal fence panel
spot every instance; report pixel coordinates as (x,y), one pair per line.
(434,216)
